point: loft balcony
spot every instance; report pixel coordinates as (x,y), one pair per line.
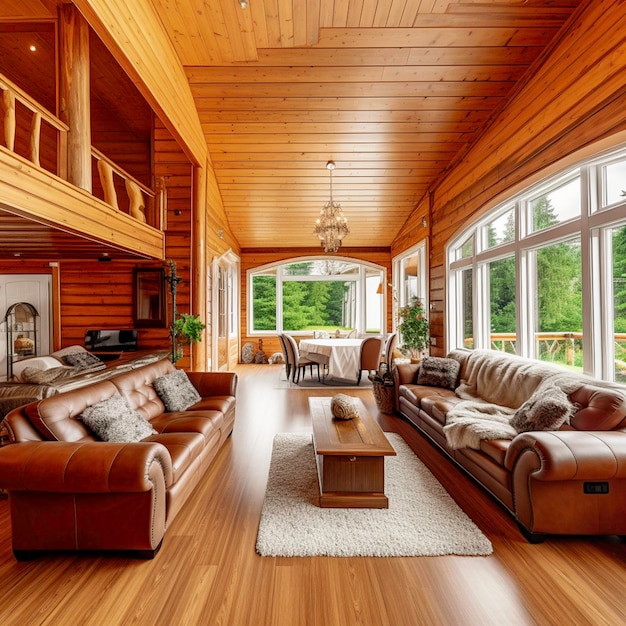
(42,213)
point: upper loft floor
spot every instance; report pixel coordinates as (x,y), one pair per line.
(77,147)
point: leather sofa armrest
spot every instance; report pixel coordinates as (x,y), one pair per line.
(406,373)
(569,455)
(82,467)
(214,383)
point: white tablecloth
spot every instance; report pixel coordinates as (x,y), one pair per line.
(342,355)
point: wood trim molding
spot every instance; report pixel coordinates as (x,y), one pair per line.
(57,203)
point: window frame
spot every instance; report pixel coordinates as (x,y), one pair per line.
(276,268)
(593,227)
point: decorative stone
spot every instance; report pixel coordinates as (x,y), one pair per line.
(247,353)
(260,357)
(343,407)
(277,357)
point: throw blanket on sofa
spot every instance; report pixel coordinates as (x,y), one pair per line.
(489,377)
(471,421)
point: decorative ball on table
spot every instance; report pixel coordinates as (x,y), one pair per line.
(344,407)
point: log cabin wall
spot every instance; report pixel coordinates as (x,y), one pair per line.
(174,167)
(573,97)
(251,259)
(219,240)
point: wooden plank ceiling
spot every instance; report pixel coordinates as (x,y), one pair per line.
(391,90)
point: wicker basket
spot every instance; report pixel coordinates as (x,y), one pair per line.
(385,396)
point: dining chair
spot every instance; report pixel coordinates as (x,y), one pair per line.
(390,346)
(370,356)
(283,343)
(299,363)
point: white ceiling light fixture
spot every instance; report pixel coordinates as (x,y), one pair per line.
(331,226)
(243,4)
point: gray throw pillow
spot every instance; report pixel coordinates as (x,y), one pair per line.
(548,409)
(114,420)
(84,361)
(176,391)
(438,372)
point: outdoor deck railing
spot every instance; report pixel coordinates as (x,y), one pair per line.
(556,343)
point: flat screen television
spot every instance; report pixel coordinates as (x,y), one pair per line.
(111,340)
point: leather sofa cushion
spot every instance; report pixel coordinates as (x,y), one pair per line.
(136,387)
(224,404)
(416,393)
(439,405)
(184,449)
(56,417)
(598,409)
(495,449)
(202,422)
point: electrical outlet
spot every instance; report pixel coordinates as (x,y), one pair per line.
(433,341)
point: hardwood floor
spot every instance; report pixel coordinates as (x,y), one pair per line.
(208,572)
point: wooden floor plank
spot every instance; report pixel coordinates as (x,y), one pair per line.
(208,572)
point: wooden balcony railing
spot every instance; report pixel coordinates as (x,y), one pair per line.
(141,202)
(138,195)
(11,94)
(556,343)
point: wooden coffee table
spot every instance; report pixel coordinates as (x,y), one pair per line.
(350,457)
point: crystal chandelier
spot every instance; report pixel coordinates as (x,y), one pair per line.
(331,226)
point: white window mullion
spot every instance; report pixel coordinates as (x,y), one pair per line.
(481,314)
(279,300)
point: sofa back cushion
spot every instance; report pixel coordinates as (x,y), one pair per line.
(136,386)
(598,408)
(56,418)
(504,379)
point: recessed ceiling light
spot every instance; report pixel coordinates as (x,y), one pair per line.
(32,47)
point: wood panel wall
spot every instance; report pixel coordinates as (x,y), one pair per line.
(219,240)
(251,259)
(93,295)
(172,164)
(574,96)
(137,39)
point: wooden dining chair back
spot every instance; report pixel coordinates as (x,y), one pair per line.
(370,356)
(286,356)
(390,346)
(299,363)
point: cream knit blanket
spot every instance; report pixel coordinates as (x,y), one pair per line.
(493,386)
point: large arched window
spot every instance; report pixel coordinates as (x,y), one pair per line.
(305,294)
(544,273)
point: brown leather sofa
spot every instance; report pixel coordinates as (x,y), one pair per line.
(570,481)
(70,491)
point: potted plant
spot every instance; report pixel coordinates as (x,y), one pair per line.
(414,329)
(186,329)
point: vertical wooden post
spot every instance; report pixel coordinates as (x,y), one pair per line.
(35,135)
(56,306)
(75,107)
(8,108)
(198,265)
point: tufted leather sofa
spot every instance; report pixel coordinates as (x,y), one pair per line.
(70,491)
(571,481)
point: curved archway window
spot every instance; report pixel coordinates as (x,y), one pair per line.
(544,273)
(306,294)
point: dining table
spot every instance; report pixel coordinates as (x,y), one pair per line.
(341,356)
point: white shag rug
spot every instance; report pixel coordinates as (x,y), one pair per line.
(422,518)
